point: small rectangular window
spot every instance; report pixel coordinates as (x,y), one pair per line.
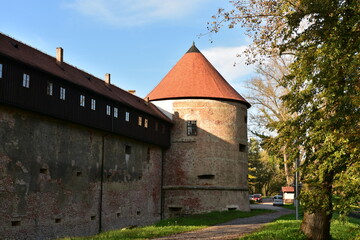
(191,128)
(156,126)
(127,149)
(115,112)
(108,110)
(127,154)
(140,121)
(146,123)
(175,209)
(62,93)
(82,100)
(127,116)
(15,223)
(242,147)
(49,88)
(93,104)
(1,70)
(26,80)
(148,155)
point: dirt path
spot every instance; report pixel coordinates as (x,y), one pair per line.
(235,228)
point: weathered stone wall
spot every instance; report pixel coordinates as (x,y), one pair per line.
(206,172)
(200,200)
(51,183)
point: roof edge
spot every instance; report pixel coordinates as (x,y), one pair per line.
(248,105)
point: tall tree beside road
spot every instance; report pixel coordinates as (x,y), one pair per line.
(265,95)
(324,93)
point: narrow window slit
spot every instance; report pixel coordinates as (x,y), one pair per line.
(15,223)
(175,209)
(206,176)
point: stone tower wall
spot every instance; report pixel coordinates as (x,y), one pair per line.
(208,171)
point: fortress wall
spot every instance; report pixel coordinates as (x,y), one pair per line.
(51,175)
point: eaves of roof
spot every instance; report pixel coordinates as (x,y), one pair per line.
(28,55)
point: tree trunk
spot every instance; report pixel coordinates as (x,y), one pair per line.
(316,226)
(286,169)
(316,222)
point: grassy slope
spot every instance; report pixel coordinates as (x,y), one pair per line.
(172,226)
(287,228)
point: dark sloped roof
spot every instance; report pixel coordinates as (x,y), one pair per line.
(193,76)
(21,52)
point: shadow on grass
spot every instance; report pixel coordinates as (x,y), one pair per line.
(175,225)
(287,228)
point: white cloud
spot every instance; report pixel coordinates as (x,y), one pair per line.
(229,64)
(134,12)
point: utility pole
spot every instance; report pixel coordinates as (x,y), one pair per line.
(297,188)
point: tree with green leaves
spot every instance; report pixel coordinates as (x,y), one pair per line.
(258,172)
(324,39)
(253,164)
(265,176)
(265,95)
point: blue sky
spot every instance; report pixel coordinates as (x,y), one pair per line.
(136,41)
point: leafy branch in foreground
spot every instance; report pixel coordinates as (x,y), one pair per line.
(324,93)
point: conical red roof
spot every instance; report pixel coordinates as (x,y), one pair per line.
(193,76)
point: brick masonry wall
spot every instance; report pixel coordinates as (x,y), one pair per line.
(209,171)
(50,179)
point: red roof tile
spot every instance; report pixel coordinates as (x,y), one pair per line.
(21,52)
(193,76)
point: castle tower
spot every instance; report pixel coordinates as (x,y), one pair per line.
(205,168)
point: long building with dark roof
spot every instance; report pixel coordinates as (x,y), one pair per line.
(78,155)
(41,83)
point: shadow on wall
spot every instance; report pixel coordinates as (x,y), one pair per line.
(52,183)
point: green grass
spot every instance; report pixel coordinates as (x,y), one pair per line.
(172,226)
(211,218)
(139,233)
(287,228)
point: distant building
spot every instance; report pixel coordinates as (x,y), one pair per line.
(288,194)
(79,155)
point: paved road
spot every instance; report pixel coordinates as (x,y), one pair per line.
(235,228)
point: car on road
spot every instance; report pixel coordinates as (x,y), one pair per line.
(258,198)
(278,200)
